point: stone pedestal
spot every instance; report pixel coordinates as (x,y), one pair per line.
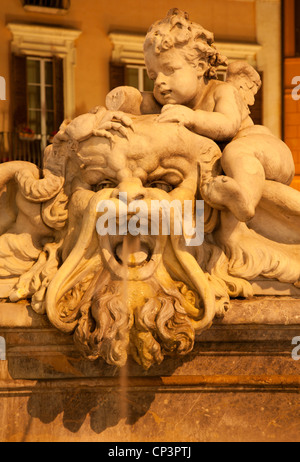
(240,383)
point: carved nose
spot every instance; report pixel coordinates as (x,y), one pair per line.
(167,42)
(122,195)
(139,197)
(160,79)
(131,190)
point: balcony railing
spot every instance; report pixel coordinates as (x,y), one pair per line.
(47,6)
(14,146)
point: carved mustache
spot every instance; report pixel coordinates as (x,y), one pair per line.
(154,217)
(142,212)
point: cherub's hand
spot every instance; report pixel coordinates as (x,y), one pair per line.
(113,120)
(177,113)
(98,122)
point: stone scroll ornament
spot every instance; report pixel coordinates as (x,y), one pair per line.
(191,139)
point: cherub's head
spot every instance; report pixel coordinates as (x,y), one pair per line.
(178,53)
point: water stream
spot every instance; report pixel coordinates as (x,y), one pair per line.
(130,255)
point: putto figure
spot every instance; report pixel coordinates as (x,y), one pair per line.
(182,61)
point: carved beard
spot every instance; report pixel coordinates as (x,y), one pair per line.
(143,318)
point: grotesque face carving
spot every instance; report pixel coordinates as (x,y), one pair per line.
(138,293)
(74,241)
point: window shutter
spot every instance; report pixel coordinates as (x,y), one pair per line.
(19,91)
(58,88)
(257,108)
(116,75)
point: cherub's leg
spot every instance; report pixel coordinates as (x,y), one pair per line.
(241,189)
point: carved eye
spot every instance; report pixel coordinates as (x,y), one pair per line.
(103,185)
(169,70)
(161,185)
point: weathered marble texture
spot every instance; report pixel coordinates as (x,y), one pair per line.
(239,383)
(149,296)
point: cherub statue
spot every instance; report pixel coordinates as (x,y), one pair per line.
(182,61)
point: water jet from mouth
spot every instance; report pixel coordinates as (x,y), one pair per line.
(138,253)
(130,253)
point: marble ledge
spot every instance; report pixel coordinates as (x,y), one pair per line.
(249,349)
(260,310)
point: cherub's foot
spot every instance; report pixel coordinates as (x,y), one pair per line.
(224,192)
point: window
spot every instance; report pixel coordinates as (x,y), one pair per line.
(47,6)
(53,42)
(40,96)
(42,87)
(37,102)
(136,76)
(47,3)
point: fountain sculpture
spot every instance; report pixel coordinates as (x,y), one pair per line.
(142,294)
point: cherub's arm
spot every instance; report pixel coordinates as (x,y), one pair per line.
(221,124)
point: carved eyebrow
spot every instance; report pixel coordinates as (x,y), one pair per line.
(182,164)
(172,175)
(95,175)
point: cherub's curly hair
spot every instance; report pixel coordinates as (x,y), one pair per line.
(176,30)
